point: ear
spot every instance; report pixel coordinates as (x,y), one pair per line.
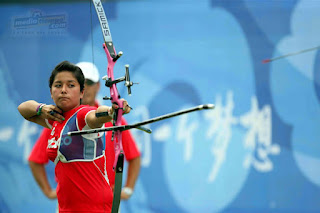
(81,93)
(51,93)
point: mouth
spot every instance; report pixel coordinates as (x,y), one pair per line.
(63,98)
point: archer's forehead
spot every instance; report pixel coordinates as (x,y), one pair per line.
(65,76)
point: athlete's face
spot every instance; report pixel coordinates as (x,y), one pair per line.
(90,92)
(65,91)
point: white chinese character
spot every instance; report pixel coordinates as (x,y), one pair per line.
(220,130)
(258,137)
(185,133)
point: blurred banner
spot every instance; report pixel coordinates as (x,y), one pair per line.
(257,151)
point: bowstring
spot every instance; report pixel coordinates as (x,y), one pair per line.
(91,32)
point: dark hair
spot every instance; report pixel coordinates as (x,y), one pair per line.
(69,67)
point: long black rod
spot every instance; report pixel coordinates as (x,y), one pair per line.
(136,125)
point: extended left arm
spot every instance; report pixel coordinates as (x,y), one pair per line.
(96,122)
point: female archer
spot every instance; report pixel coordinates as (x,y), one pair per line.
(83,184)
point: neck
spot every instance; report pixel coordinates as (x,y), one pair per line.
(67,110)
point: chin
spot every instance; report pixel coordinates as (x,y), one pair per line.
(64,107)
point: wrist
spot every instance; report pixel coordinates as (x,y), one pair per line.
(127,190)
(46,191)
(39,109)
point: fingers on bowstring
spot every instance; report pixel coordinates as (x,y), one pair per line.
(55,114)
(57,110)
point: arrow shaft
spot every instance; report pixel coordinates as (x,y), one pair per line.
(291,54)
(139,124)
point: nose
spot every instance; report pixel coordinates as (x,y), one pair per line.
(64,88)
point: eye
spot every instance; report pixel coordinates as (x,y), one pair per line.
(57,85)
(71,85)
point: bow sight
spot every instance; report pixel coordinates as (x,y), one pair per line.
(109,82)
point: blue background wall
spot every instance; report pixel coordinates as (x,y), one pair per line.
(258,151)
